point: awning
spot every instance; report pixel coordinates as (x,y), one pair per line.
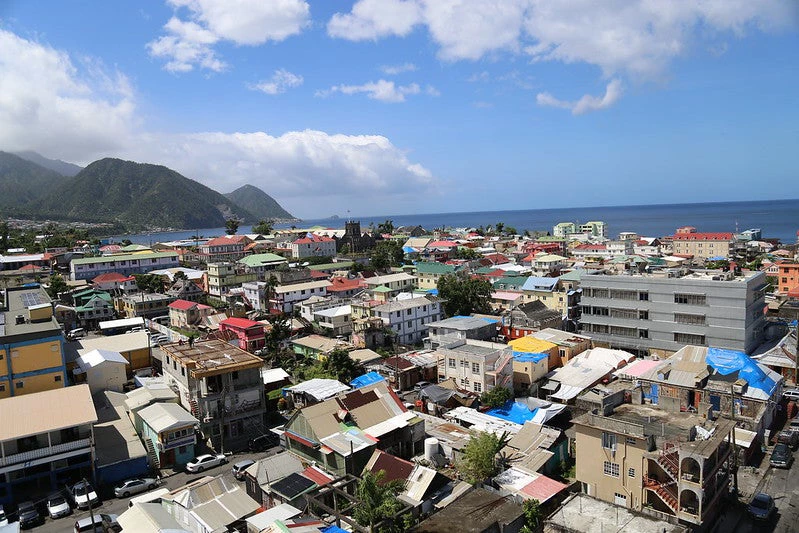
(567,392)
(744,437)
(550,385)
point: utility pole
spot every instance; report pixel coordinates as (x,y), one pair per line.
(222,421)
(89,499)
(734,445)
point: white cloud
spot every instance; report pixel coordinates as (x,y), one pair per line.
(371,19)
(432,91)
(382,90)
(280,81)
(48,101)
(393,70)
(83,112)
(587,103)
(189,43)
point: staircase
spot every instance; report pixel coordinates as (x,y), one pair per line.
(664,491)
(195,410)
(669,460)
(152,454)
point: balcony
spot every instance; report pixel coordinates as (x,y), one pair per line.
(175,443)
(46,451)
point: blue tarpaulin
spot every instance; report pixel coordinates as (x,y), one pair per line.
(409,249)
(527,357)
(513,411)
(728,361)
(333,529)
(432,292)
(366,379)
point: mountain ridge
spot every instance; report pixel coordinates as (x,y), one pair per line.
(56,165)
(259,203)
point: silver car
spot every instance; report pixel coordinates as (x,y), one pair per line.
(134,486)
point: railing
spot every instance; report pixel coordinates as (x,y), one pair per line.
(175,443)
(39,453)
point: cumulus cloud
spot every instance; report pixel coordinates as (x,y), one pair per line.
(382,90)
(81,111)
(280,81)
(47,100)
(371,19)
(587,103)
(393,70)
(189,42)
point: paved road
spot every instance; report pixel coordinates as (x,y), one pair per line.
(783,485)
(111,505)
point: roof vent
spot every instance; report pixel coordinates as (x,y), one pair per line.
(20,319)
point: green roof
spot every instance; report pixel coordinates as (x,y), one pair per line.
(574,275)
(484,270)
(511,281)
(550,238)
(134,248)
(431,267)
(123,257)
(342,265)
(257,260)
(381,288)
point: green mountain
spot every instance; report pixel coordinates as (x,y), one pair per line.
(258,203)
(23,182)
(56,165)
(139,195)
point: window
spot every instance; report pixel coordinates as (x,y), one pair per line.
(689,338)
(409,312)
(410,323)
(690,299)
(20,384)
(643,333)
(478,387)
(610,469)
(631,472)
(57,378)
(643,315)
(619,294)
(182,371)
(2,388)
(623,332)
(630,314)
(181,449)
(475,368)
(609,441)
(235,375)
(684,318)
(630,440)
(451,363)
(643,296)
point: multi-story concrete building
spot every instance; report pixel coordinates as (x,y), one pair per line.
(262,264)
(145,305)
(636,456)
(702,245)
(31,344)
(46,439)
(476,365)
(548,291)
(594,228)
(787,277)
(222,277)
(564,229)
(125,264)
(221,386)
(659,313)
(395,282)
(409,317)
(285,297)
(430,272)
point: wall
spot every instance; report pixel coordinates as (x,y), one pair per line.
(38,382)
(107,376)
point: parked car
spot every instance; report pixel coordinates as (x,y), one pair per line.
(134,486)
(789,437)
(240,467)
(791,394)
(76,333)
(781,457)
(420,385)
(762,507)
(793,425)
(3,517)
(28,515)
(203,462)
(84,495)
(102,523)
(58,506)
(263,442)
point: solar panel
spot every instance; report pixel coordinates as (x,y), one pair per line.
(292,486)
(32,298)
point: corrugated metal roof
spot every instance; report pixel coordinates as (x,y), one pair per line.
(164,416)
(31,414)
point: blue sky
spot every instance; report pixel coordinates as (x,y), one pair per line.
(417,106)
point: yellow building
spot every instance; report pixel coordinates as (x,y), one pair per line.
(532,360)
(637,456)
(31,344)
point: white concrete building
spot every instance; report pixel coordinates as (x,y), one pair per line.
(409,317)
(313,246)
(285,297)
(475,365)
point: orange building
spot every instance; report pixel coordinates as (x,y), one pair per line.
(788,277)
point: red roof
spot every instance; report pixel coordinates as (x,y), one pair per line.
(109,277)
(241,323)
(340,284)
(316,274)
(316,475)
(720,236)
(543,488)
(185,305)
(312,238)
(30,267)
(442,244)
(394,467)
(591,247)
(397,362)
(497,258)
(226,240)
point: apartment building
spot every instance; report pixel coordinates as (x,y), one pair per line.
(428,273)
(224,249)
(474,365)
(285,297)
(594,228)
(787,277)
(223,277)
(409,317)
(221,386)
(658,313)
(262,264)
(702,245)
(145,305)
(313,245)
(636,456)
(461,327)
(548,291)
(31,344)
(564,229)
(397,283)
(46,439)
(125,264)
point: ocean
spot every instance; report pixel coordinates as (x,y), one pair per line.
(779,219)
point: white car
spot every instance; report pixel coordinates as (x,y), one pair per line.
(134,486)
(58,506)
(84,495)
(204,462)
(3,517)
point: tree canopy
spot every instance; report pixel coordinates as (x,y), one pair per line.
(377,501)
(387,254)
(386,227)
(149,282)
(264,227)
(496,397)
(480,460)
(56,286)
(464,295)
(231,226)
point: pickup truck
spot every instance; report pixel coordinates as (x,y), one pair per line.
(204,462)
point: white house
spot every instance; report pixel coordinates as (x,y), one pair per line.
(285,297)
(409,317)
(104,370)
(313,245)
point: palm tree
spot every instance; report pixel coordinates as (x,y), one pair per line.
(377,500)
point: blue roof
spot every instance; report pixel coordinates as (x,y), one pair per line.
(728,361)
(513,412)
(535,283)
(408,249)
(483,318)
(333,529)
(433,292)
(717,258)
(367,379)
(526,357)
